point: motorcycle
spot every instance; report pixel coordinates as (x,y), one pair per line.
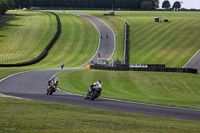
(52,86)
(93,93)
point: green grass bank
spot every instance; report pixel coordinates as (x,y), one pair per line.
(30,116)
(171,89)
(172,43)
(25,36)
(28,33)
(76,45)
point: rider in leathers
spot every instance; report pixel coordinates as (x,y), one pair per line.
(97,85)
(53,80)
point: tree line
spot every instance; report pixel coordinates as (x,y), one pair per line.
(5,5)
(167,6)
(116,4)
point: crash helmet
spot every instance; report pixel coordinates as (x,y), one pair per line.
(99,81)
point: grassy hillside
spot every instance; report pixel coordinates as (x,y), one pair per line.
(172,43)
(32,31)
(25,36)
(172,89)
(77,44)
(30,116)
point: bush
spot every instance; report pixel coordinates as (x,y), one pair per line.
(3,7)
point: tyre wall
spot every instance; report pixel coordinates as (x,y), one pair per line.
(150,68)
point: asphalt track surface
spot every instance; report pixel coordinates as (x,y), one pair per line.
(6,18)
(106,39)
(194,62)
(32,85)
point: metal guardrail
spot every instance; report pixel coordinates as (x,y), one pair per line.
(126,44)
(155,68)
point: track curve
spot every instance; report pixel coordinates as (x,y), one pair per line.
(194,62)
(32,85)
(106,38)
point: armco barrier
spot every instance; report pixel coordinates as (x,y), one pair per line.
(44,53)
(141,65)
(126,44)
(150,69)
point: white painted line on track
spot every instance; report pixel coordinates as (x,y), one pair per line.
(134,102)
(3,95)
(114,37)
(99,34)
(10,76)
(74,13)
(191,58)
(8,96)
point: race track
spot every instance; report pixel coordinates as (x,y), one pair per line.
(32,85)
(106,37)
(194,62)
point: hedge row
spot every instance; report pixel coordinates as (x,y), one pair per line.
(44,53)
(152,69)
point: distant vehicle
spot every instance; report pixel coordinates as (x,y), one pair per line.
(25,9)
(111,13)
(52,86)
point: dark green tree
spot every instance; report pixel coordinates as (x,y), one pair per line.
(18,3)
(11,4)
(166,4)
(177,5)
(147,5)
(126,4)
(155,4)
(3,7)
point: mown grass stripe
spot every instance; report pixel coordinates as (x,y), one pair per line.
(172,89)
(158,47)
(77,35)
(141,21)
(21,39)
(31,116)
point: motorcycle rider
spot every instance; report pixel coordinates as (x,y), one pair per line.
(97,86)
(62,65)
(53,81)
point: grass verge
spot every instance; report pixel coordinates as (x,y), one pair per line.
(30,116)
(172,89)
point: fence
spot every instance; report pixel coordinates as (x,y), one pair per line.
(44,53)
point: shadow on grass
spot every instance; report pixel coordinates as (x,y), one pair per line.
(7,25)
